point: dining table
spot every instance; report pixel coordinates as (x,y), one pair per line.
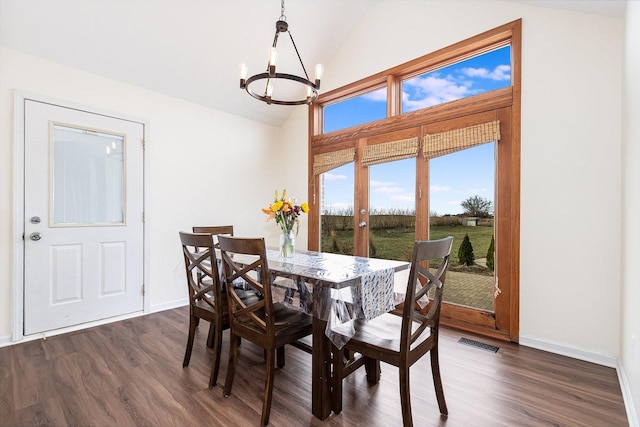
(335,288)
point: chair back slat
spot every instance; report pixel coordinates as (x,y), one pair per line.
(201,268)
(246,259)
(415,323)
(214,230)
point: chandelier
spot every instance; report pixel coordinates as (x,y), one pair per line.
(305,91)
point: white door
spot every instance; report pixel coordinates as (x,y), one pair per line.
(83,225)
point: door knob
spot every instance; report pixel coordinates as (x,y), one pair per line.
(35,236)
(362,224)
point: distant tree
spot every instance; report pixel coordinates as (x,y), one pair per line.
(490,255)
(477,206)
(465,252)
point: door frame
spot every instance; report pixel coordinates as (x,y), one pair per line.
(17,271)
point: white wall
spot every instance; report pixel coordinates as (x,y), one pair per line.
(203,165)
(571,148)
(630,332)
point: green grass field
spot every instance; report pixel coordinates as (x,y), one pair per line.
(398,243)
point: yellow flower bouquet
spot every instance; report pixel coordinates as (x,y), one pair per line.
(286,212)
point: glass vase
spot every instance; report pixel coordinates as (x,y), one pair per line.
(287,244)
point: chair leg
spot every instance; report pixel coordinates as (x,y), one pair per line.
(217,348)
(336,379)
(231,368)
(280,357)
(211,336)
(405,396)
(437,381)
(268,387)
(372,367)
(193,322)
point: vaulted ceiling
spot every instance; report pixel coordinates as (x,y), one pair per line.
(190,49)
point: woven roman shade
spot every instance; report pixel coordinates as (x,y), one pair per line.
(448,142)
(326,161)
(390,151)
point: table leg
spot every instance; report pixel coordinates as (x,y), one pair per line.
(320,370)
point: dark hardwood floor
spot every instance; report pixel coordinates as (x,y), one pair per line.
(130,373)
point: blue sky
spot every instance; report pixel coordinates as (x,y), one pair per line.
(453,177)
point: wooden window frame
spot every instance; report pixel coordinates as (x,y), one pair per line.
(501,104)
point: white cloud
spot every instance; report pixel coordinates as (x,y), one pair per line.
(474,191)
(388,190)
(439,188)
(333,177)
(501,72)
(374,183)
(376,95)
(405,197)
(432,90)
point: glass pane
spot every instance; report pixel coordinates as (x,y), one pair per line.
(461,200)
(88,177)
(365,108)
(336,217)
(482,73)
(392,209)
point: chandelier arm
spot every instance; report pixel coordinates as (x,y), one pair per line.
(298,53)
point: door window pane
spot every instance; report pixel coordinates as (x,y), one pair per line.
(461,201)
(392,209)
(88,177)
(336,213)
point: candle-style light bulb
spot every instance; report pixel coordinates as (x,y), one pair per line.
(319,73)
(309,95)
(273,56)
(244,72)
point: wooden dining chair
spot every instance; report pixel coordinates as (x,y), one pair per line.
(265,323)
(401,340)
(206,298)
(214,230)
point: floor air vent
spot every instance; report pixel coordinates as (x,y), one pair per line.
(478,344)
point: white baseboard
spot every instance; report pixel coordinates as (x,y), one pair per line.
(169,305)
(593,357)
(574,352)
(632,413)
(44,335)
(6,340)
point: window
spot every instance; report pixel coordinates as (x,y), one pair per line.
(475,114)
(360,109)
(482,73)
